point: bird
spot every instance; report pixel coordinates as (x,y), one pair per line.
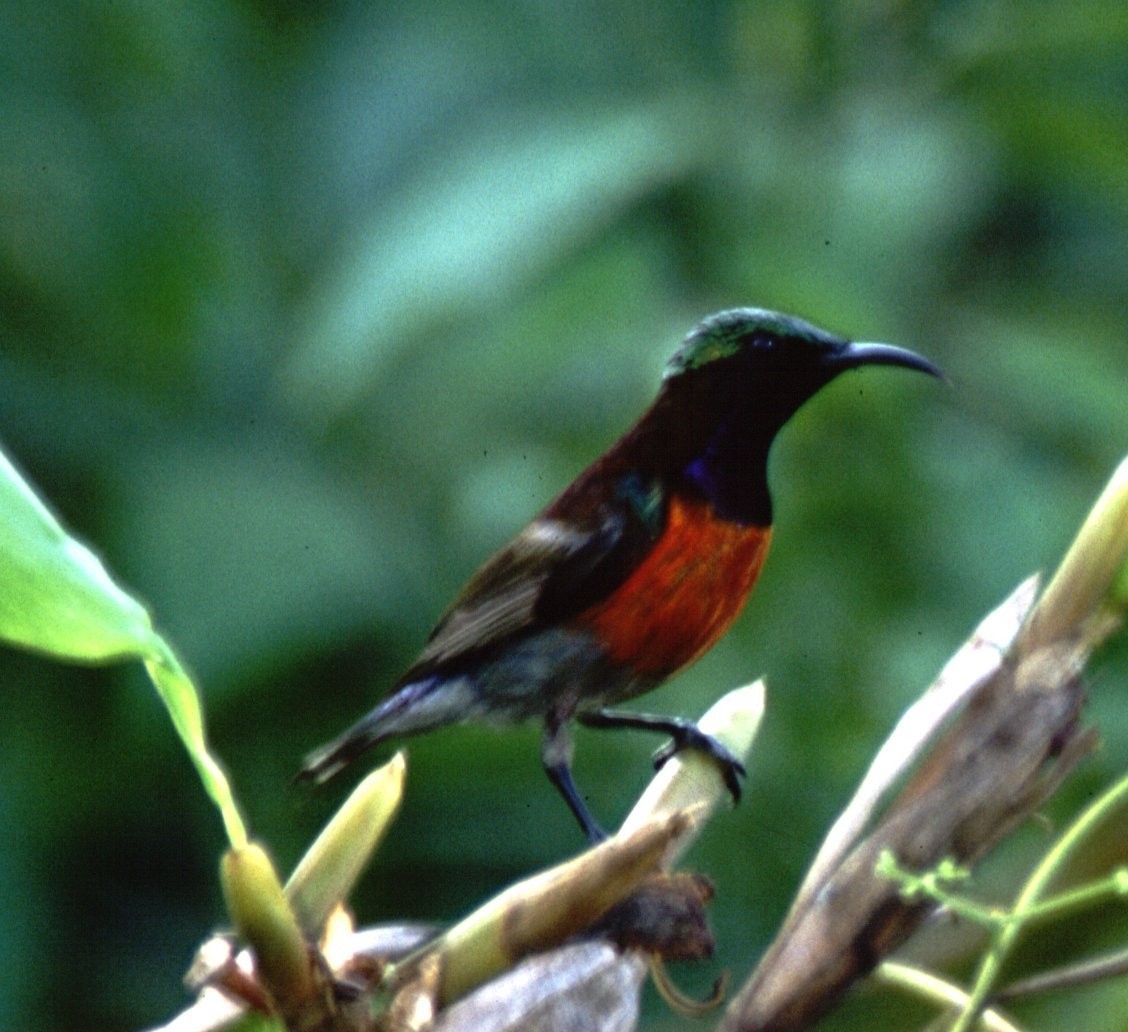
(636,569)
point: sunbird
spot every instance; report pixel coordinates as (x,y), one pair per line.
(636,569)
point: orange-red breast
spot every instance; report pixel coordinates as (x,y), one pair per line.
(637,568)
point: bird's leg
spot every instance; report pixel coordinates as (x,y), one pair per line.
(684,734)
(556,755)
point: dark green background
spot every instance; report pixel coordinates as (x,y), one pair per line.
(305,307)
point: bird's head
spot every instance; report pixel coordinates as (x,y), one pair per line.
(751,362)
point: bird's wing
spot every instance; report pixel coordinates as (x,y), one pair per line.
(553,569)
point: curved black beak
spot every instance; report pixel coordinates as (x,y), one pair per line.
(865,353)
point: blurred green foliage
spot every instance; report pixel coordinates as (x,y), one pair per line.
(304,308)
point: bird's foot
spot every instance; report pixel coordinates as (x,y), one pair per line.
(556,755)
(684,734)
(690,736)
(562,779)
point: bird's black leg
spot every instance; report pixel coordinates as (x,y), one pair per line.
(684,734)
(556,755)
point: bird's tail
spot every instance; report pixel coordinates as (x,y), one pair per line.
(321,764)
(417,706)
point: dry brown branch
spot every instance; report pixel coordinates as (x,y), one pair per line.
(1017,737)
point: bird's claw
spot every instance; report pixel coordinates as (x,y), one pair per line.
(692,737)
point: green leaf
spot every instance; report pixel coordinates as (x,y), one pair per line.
(55,594)
(57,597)
(182,701)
